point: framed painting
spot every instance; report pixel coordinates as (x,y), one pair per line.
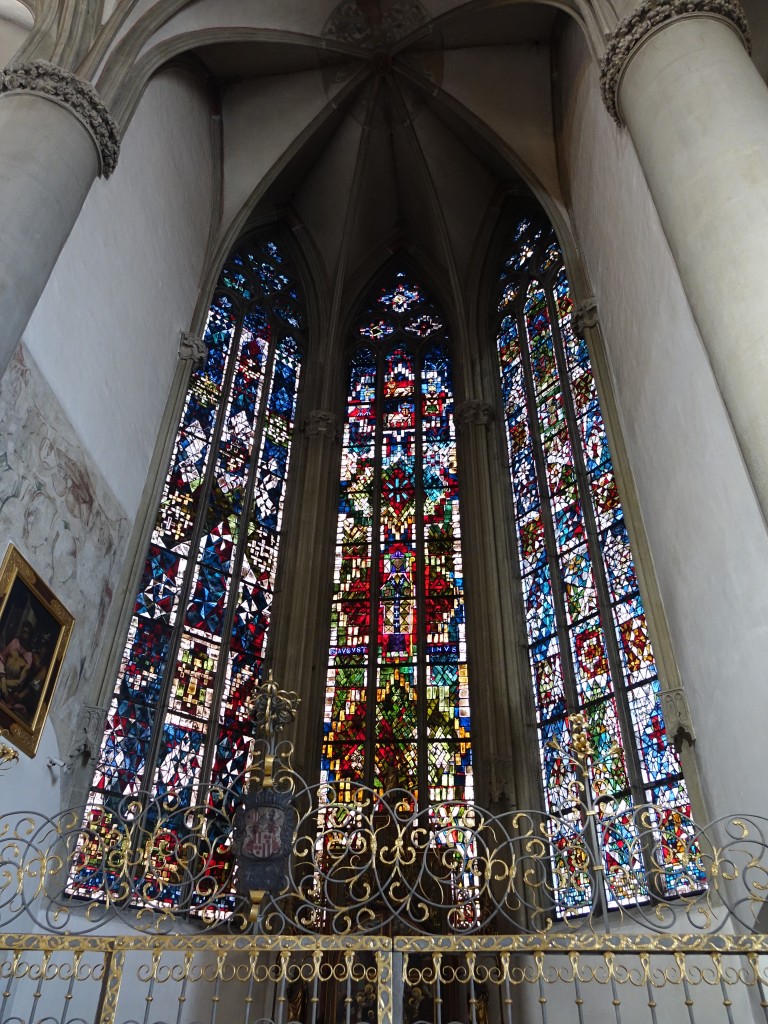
(35,628)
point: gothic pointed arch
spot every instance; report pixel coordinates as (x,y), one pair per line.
(177,729)
(591,664)
(397,700)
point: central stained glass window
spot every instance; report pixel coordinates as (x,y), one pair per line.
(397,706)
(177,731)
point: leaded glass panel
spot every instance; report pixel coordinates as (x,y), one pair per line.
(176,729)
(397,704)
(588,641)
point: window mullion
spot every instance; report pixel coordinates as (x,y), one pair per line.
(605,610)
(375,595)
(422,740)
(237,563)
(174,643)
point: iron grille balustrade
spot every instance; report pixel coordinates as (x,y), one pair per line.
(384,913)
(373,863)
(258,979)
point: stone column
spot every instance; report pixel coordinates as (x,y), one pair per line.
(497,670)
(56,136)
(677,73)
(299,646)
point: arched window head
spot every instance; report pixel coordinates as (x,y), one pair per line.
(176,731)
(397,708)
(588,642)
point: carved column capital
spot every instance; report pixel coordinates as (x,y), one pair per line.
(649,16)
(677,716)
(473,413)
(322,423)
(584,317)
(193,348)
(78,96)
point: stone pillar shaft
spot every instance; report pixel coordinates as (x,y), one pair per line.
(503,775)
(677,73)
(299,643)
(57,137)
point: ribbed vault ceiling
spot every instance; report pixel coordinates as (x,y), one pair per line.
(397,161)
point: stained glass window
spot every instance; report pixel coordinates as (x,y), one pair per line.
(175,732)
(397,708)
(588,642)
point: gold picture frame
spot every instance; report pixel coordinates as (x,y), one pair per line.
(35,629)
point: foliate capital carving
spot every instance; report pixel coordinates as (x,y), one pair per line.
(192,347)
(584,317)
(677,716)
(649,15)
(322,423)
(77,95)
(473,413)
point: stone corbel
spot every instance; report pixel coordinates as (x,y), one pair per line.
(88,736)
(677,717)
(646,18)
(193,348)
(79,97)
(473,413)
(501,784)
(322,423)
(584,317)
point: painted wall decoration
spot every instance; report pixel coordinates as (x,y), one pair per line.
(56,507)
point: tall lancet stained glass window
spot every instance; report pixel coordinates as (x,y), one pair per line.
(588,642)
(397,710)
(175,731)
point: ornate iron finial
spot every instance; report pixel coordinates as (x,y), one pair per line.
(8,756)
(273,709)
(580,748)
(580,742)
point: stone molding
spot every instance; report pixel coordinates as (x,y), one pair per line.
(630,33)
(677,716)
(584,317)
(78,96)
(192,347)
(473,413)
(322,423)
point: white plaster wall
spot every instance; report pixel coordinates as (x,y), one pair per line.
(706,534)
(263,118)
(508,87)
(105,332)
(15,24)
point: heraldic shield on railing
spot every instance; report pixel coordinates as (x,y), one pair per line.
(278,901)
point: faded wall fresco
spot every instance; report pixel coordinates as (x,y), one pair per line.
(56,508)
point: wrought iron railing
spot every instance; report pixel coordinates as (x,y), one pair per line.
(405,980)
(280,901)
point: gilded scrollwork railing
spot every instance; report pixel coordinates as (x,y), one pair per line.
(276,901)
(257,979)
(275,855)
